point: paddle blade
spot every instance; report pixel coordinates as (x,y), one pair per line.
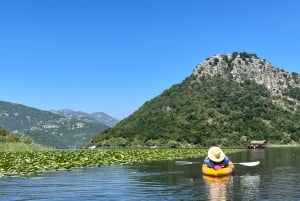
(249,163)
(183,163)
(186,162)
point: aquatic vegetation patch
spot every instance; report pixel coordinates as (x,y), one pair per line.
(28,163)
(19,146)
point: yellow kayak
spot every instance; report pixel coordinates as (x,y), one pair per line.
(217,180)
(206,170)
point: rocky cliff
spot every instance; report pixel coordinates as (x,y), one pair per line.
(242,66)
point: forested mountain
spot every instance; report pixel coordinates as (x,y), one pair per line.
(228,100)
(47,128)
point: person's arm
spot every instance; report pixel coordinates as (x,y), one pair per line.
(226,161)
(208,162)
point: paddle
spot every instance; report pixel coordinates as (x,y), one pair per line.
(243,163)
(248,163)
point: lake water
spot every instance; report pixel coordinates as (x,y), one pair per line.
(276,178)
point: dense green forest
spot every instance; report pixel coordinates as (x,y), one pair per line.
(210,111)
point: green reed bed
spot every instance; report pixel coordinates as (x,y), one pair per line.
(32,162)
(18,146)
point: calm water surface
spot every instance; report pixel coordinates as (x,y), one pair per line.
(276,178)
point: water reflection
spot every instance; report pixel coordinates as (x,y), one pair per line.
(218,187)
(257,154)
(250,187)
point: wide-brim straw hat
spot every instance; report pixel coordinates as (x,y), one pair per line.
(216,154)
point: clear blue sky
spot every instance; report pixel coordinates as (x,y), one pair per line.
(113,55)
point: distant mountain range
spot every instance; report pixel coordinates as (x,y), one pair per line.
(61,129)
(97,117)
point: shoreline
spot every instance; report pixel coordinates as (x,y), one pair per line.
(283,145)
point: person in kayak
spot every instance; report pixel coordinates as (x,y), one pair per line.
(216,158)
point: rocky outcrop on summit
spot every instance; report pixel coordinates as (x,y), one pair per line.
(245,66)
